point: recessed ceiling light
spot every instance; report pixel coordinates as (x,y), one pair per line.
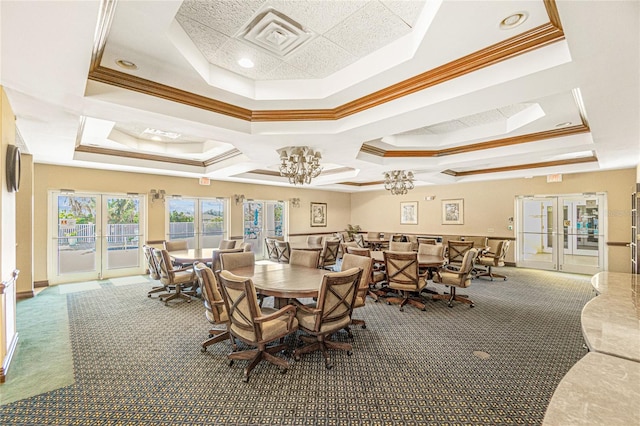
(245,63)
(128,65)
(565,124)
(156,138)
(513,21)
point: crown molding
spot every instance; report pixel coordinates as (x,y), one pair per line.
(535,38)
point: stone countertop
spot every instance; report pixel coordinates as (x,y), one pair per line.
(598,390)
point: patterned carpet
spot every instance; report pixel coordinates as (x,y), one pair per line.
(139,362)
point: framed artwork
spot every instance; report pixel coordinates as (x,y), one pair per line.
(318,214)
(453,212)
(409,213)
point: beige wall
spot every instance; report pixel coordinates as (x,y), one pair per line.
(24,228)
(489,205)
(8,331)
(47,177)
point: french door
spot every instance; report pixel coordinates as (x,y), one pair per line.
(201,222)
(94,236)
(564,233)
(263,219)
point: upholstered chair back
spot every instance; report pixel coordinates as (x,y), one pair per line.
(314,240)
(227,244)
(359,239)
(457,249)
(335,300)
(399,246)
(402,271)
(365,263)
(241,302)
(177,245)
(373,235)
(154,272)
(329,255)
(359,251)
(426,241)
(284,251)
(431,249)
(231,261)
(308,258)
(215,257)
(215,309)
(272,252)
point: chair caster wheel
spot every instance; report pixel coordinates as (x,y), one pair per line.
(329,366)
(349,353)
(229,362)
(210,335)
(423,309)
(350,335)
(401,309)
(296,358)
(283,370)
(364,326)
(245,379)
(450,305)
(472,305)
(166,303)
(388,303)
(203,349)
(148,295)
(505,279)
(375,300)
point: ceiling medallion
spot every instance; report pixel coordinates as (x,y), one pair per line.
(398,182)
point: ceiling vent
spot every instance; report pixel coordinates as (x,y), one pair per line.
(275,33)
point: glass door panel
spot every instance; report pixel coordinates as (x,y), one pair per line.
(583,240)
(182,215)
(568,238)
(212,223)
(263,219)
(201,222)
(74,239)
(123,233)
(536,233)
(94,236)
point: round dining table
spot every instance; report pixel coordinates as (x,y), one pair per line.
(191,256)
(283,281)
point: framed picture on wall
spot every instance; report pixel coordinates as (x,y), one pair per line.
(453,212)
(409,213)
(318,214)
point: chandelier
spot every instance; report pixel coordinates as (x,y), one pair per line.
(300,164)
(398,182)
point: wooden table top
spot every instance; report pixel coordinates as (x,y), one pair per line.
(283,280)
(424,260)
(192,255)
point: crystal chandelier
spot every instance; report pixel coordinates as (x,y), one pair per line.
(300,164)
(398,182)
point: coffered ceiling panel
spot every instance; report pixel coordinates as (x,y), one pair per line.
(437,87)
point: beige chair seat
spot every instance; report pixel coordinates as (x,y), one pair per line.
(308,320)
(271,330)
